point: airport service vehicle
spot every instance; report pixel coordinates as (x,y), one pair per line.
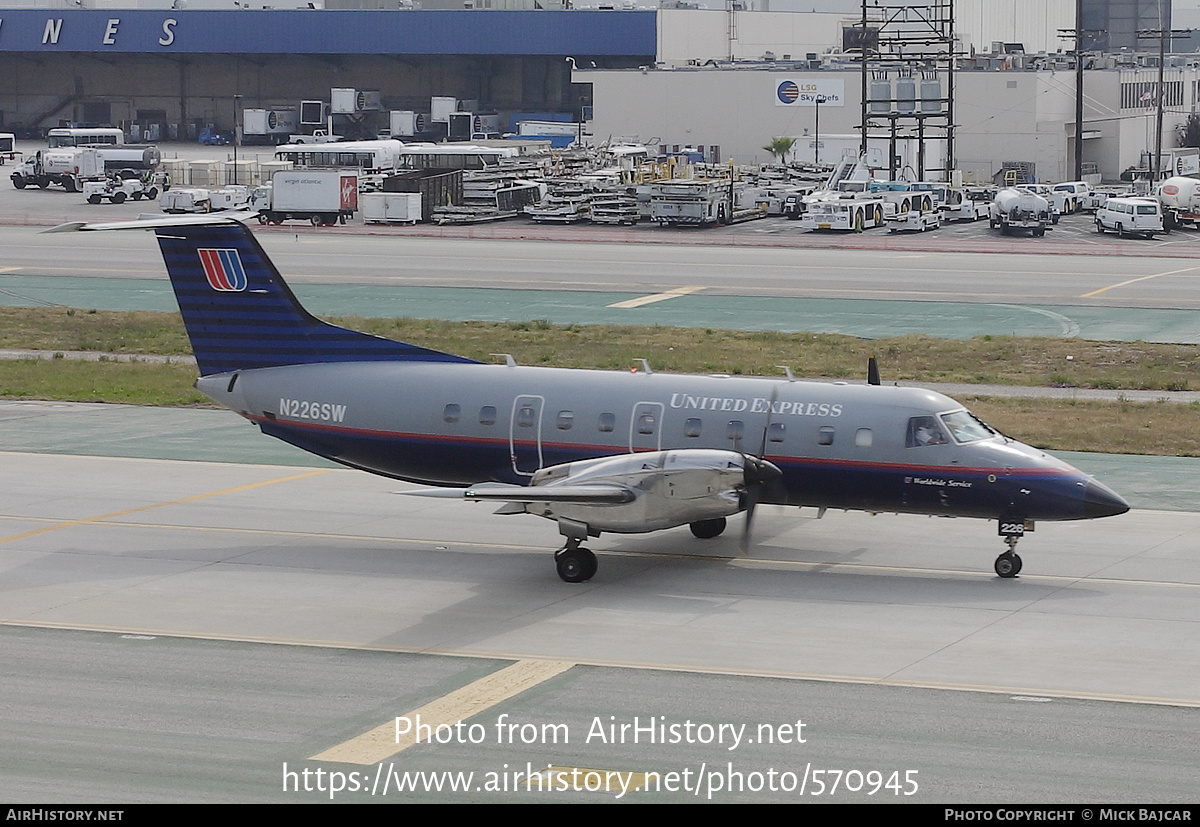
(269,126)
(1095,199)
(117,189)
(320,196)
(69,167)
(592,451)
(1180,199)
(922,214)
(211,136)
(851,211)
(1056,200)
(691,201)
(84,136)
(8,150)
(1131,216)
(955,203)
(1075,195)
(369,157)
(199,199)
(1016,209)
(318,136)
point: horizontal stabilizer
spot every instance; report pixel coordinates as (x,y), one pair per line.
(152,221)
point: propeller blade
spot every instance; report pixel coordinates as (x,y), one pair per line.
(751,500)
(872,371)
(758,474)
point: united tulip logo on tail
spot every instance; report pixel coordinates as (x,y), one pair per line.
(223,269)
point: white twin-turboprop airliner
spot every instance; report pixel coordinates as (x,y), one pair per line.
(595,451)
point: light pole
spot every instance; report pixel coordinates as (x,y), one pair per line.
(237,136)
(818,100)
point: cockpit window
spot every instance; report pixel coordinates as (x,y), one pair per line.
(964,426)
(925,430)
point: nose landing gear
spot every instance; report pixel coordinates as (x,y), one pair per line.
(1008,564)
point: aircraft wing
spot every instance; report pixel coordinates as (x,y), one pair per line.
(590,494)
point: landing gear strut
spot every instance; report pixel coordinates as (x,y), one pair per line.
(1008,564)
(575,563)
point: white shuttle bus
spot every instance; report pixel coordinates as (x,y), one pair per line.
(84,136)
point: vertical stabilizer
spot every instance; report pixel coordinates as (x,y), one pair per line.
(240,314)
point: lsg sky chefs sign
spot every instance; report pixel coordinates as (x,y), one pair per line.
(810,92)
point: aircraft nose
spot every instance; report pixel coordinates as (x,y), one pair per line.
(1101,501)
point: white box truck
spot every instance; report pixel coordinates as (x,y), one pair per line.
(269,126)
(321,196)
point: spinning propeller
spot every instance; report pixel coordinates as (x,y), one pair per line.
(758,474)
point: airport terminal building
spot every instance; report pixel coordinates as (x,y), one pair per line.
(675,77)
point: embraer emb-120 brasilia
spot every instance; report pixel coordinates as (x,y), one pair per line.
(595,451)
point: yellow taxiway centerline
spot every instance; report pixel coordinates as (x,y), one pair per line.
(403,732)
(657,297)
(1134,281)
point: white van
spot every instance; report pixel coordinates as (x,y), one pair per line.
(1130,216)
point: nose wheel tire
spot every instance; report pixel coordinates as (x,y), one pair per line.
(576,565)
(1008,564)
(707,529)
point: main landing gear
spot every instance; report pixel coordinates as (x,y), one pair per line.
(1008,564)
(575,563)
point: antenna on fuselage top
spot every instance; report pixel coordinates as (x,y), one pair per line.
(872,371)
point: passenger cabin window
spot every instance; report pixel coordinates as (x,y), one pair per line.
(526,416)
(734,430)
(691,428)
(565,420)
(775,432)
(487,415)
(825,435)
(924,430)
(862,438)
(607,422)
(450,413)
(645,423)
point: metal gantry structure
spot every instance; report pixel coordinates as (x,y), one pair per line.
(907,55)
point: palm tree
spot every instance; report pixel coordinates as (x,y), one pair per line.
(780,147)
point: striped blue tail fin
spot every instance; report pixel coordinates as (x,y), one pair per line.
(240,314)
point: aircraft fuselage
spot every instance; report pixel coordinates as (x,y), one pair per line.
(837,445)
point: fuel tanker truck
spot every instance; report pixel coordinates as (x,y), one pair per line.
(1180,199)
(1016,209)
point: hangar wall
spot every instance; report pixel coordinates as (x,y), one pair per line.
(188,66)
(200,89)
